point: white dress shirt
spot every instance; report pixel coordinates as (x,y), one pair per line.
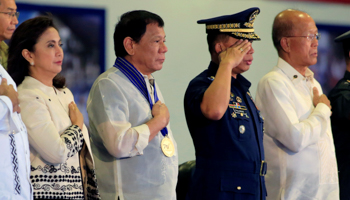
(298,139)
(14,147)
(54,142)
(127,165)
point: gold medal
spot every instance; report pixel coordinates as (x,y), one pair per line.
(167,146)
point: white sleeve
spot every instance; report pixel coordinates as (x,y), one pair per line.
(281,120)
(108,112)
(43,135)
(5,110)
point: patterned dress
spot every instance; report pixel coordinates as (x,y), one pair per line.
(55,144)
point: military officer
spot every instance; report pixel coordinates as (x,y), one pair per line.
(340,101)
(225,124)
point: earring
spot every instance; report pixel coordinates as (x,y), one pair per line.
(32,63)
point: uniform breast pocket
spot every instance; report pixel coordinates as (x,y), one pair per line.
(243,129)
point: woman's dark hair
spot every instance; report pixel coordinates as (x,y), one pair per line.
(25,37)
(133,24)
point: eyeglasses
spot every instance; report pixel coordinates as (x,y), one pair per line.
(12,14)
(310,36)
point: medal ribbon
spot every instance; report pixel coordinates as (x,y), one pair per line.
(138,81)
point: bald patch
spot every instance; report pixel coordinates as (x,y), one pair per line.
(285,23)
(291,16)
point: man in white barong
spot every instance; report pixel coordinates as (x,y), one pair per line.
(298,139)
(133,146)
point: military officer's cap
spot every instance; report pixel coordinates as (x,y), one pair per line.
(239,25)
(345,37)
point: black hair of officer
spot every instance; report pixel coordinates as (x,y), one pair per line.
(214,38)
(345,39)
(133,24)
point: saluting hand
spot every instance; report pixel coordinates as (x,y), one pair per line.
(11,93)
(233,55)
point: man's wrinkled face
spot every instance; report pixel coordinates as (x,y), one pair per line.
(303,49)
(8,20)
(150,50)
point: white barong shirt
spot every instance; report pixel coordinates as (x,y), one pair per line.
(298,139)
(14,147)
(127,165)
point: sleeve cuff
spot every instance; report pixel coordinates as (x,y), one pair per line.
(323,108)
(75,127)
(143,137)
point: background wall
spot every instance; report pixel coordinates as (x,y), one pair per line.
(188,55)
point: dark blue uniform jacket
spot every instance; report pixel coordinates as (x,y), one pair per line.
(340,118)
(229,152)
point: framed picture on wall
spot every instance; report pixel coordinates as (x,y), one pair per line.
(82,31)
(330,67)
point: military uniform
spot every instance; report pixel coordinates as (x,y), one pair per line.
(340,118)
(229,152)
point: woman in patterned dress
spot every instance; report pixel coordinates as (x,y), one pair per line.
(61,161)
